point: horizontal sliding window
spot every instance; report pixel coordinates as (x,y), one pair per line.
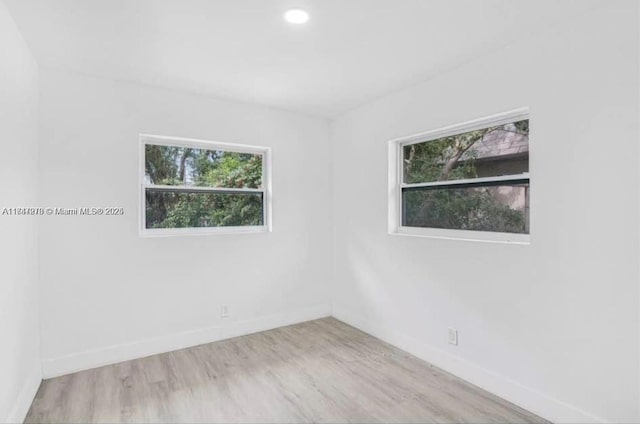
(191,186)
(194,167)
(494,206)
(488,152)
(472,177)
(171,209)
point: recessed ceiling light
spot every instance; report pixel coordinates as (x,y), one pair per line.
(296,16)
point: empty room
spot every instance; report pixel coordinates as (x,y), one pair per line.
(285,211)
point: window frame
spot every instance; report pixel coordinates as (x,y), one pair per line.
(265,152)
(397,184)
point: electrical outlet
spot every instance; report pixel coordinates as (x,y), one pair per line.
(224,311)
(453,336)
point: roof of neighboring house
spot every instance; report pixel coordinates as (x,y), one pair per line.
(501,142)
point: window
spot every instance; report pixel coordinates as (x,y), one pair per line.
(468,181)
(199,187)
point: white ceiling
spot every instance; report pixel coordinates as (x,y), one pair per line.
(350,51)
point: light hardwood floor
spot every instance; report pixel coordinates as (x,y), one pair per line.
(317,371)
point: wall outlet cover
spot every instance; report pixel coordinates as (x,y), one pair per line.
(453,336)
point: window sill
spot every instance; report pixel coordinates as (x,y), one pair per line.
(463,235)
(182,232)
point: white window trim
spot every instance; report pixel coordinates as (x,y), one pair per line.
(265,152)
(396,183)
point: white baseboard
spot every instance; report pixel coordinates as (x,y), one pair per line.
(525,397)
(113,354)
(25,398)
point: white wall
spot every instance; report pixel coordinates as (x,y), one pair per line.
(19,343)
(552,326)
(110,295)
